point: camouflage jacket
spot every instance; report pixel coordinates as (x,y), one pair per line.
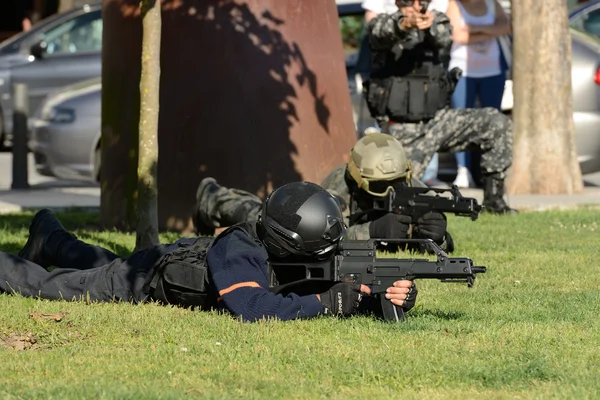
(386,36)
(335,184)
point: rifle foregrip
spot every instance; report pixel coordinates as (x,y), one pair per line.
(391,312)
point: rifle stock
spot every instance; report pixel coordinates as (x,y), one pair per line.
(356,261)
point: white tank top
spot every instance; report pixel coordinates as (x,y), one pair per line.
(477,60)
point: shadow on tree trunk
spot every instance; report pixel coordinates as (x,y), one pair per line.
(233,89)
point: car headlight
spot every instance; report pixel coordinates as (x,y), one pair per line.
(60,115)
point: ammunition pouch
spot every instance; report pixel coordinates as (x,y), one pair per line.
(181,276)
(412,98)
(376,93)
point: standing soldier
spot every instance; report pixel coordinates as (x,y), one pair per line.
(409,93)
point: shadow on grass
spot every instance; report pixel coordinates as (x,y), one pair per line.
(71,220)
(444,315)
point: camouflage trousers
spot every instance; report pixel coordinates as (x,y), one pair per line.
(454,130)
(225,207)
(220,206)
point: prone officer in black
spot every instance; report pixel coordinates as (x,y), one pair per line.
(230,272)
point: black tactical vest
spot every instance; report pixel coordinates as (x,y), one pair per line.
(408,85)
(181,276)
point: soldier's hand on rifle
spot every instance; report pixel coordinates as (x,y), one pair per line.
(408,20)
(403,293)
(343,298)
(424,21)
(432,226)
(390,226)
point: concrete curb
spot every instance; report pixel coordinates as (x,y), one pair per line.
(88,199)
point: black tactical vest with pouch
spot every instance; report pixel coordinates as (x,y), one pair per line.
(181,277)
(408,87)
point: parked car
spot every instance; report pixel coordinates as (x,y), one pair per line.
(586,17)
(58,51)
(66,132)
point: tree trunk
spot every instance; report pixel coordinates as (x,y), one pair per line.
(545,155)
(65,5)
(147,202)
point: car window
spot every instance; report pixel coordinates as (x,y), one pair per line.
(80,34)
(588,22)
(351,27)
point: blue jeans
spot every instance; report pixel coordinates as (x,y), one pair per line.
(489,90)
(432,168)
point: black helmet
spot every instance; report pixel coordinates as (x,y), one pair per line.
(301,218)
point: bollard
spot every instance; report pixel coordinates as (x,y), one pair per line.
(20,128)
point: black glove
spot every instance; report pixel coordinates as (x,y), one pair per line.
(411,298)
(342,299)
(390,226)
(432,226)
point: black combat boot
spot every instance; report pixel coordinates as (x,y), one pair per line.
(493,196)
(46,234)
(201,227)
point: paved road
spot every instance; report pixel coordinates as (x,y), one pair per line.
(38,181)
(60,194)
(44,191)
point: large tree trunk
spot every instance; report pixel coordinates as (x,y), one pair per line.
(65,5)
(545,157)
(147,202)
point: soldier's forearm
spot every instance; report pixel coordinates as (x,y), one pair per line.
(440,33)
(384,31)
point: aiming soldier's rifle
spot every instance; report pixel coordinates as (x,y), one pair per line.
(356,261)
(417,201)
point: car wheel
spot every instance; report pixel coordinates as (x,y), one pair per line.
(97,158)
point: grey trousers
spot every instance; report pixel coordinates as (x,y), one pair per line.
(83,272)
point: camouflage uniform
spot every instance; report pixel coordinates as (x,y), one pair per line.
(219,206)
(335,183)
(454,130)
(450,130)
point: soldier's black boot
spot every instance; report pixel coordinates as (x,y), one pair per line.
(201,226)
(46,235)
(493,196)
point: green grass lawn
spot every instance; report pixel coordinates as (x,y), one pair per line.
(529,328)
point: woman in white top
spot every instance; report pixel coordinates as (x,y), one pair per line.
(476,25)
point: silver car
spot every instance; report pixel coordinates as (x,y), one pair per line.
(58,51)
(66,132)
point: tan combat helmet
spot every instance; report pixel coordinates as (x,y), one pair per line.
(378,157)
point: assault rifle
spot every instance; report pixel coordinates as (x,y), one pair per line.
(415,201)
(356,261)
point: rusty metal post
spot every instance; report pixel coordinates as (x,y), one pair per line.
(253,93)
